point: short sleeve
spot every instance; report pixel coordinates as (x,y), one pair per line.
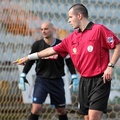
(61,48)
(108,38)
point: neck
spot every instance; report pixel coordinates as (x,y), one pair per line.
(49,41)
(84,24)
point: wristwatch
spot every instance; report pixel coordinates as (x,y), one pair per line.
(110,65)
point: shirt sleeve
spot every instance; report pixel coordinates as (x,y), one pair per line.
(61,48)
(70,65)
(108,38)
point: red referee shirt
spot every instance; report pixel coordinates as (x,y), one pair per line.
(89,50)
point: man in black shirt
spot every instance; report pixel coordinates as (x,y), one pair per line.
(49,72)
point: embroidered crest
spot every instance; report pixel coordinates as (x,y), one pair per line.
(90,48)
(74,50)
(110,39)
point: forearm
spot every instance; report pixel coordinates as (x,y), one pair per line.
(44,53)
(28,66)
(108,73)
(116,54)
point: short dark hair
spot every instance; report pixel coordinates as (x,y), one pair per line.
(80,8)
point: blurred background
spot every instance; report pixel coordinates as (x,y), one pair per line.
(20,21)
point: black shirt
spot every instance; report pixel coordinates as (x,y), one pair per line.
(50,67)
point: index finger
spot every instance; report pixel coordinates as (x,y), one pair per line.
(104,81)
(16,61)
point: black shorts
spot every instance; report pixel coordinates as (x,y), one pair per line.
(93,94)
(53,87)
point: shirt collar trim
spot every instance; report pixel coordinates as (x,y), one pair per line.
(88,27)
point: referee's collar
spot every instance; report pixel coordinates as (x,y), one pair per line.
(88,27)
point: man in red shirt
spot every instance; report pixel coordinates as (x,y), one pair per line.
(88,47)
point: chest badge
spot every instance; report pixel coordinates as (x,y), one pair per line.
(74,50)
(90,48)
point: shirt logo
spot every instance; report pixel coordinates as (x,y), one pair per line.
(61,104)
(110,39)
(34,99)
(90,48)
(74,50)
